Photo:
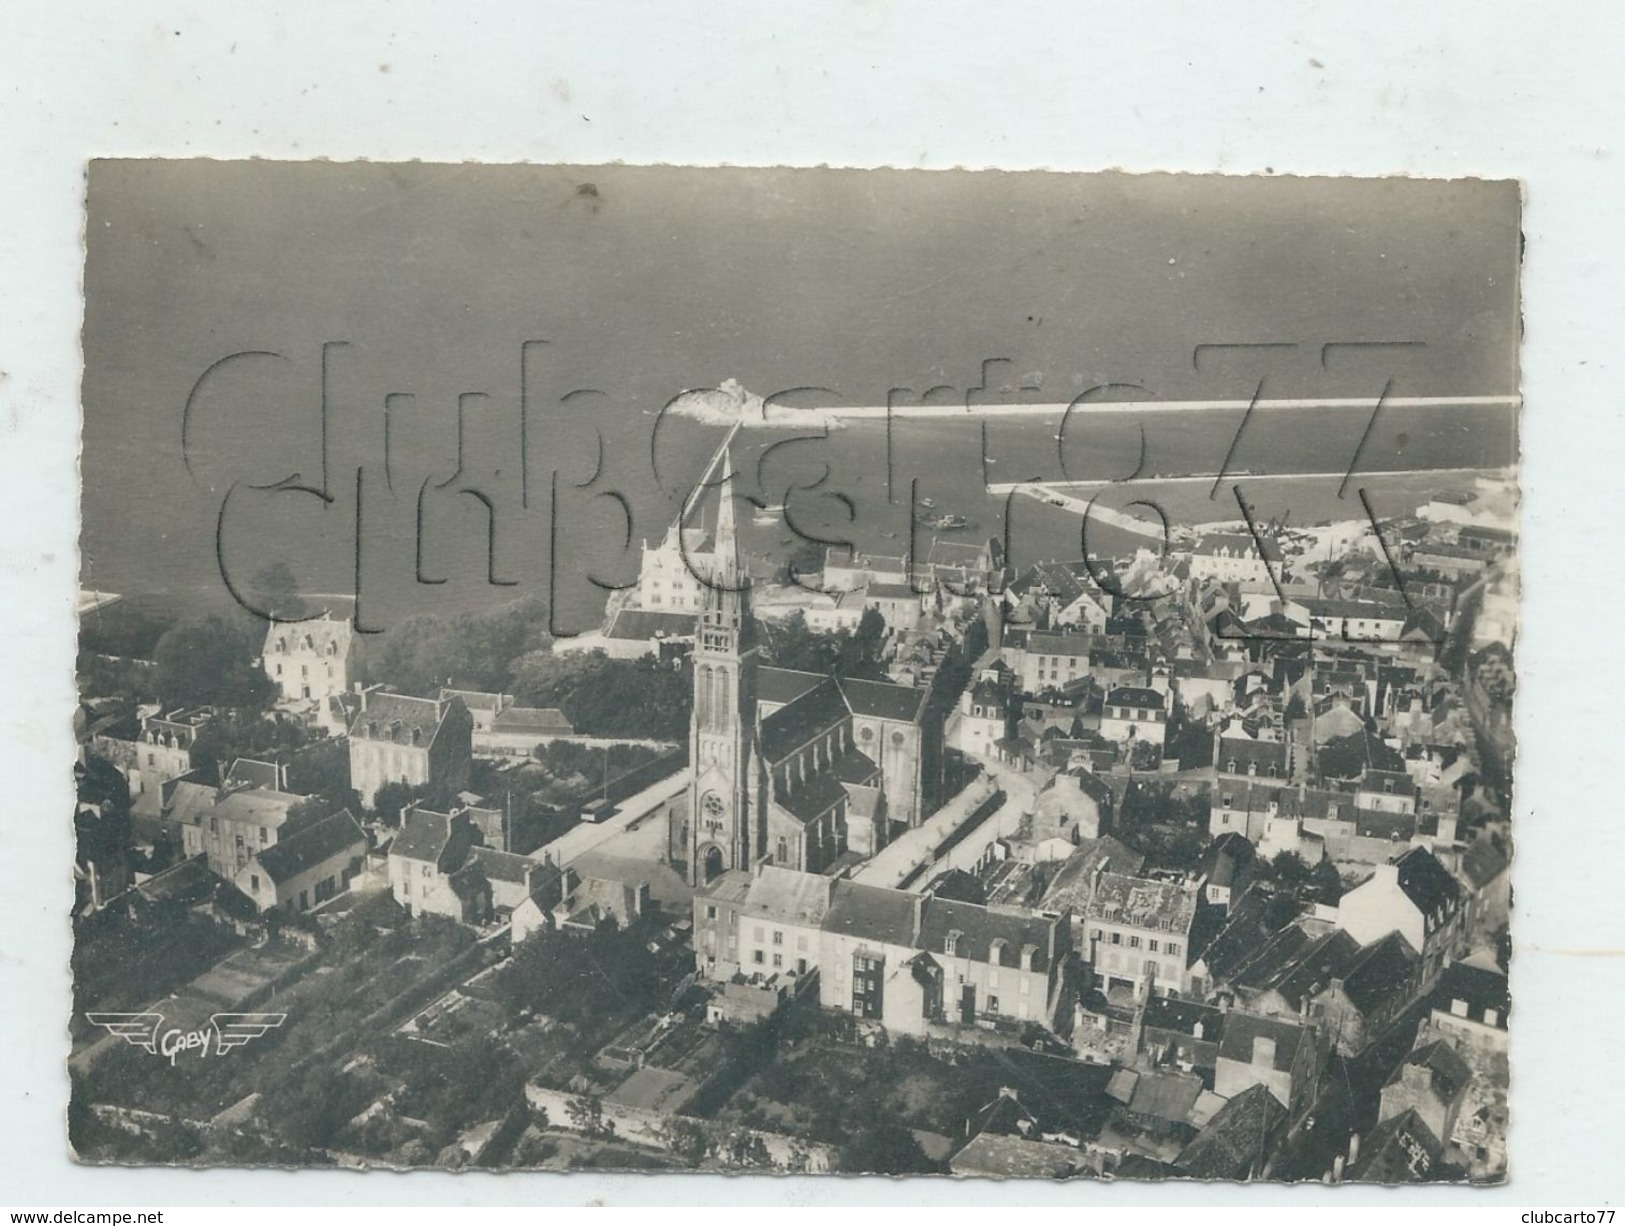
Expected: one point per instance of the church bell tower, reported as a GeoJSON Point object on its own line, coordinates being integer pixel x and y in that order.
{"type": "Point", "coordinates": [722, 730]}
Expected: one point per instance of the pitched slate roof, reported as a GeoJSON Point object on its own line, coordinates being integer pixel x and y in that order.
{"type": "Point", "coordinates": [1001, 1156]}
{"type": "Point", "coordinates": [1399, 1150]}
{"type": "Point", "coordinates": [254, 773]}
{"type": "Point", "coordinates": [855, 767]}
{"type": "Point", "coordinates": [475, 700]}
{"type": "Point", "coordinates": [1166, 1096]}
{"type": "Point", "coordinates": [501, 865]}
{"type": "Point", "coordinates": [1425, 881]}
{"type": "Point", "coordinates": [1183, 1016]}
{"type": "Point", "coordinates": [643, 624]}
{"type": "Point", "coordinates": [883, 699]}
{"type": "Point", "coordinates": [810, 799]}
{"type": "Point", "coordinates": [395, 717]}
{"type": "Point", "coordinates": [332, 836]}
{"type": "Point", "coordinates": [1238, 544]}
{"type": "Point", "coordinates": [1240, 1029]}
{"type": "Point", "coordinates": [1316, 965]}
{"type": "Point", "coordinates": [871, 912]}
{"type": "Point", "coordinates": [1237, 753]}
{"type": "Point", "coordinates": [1225, 857]}
{"type": "Point", "coordinates": [1142, 902]}
{"type": "Point", "coordinates": [1383, 971]}
{"type": "Point", "coordinates": [531, 719]}
{"type": "Point", "coordinates": [1448, 1073]}
{"type": "Point", "coordinates": [1237, 1140]}
{"type": "Point", "coordinates": [979, 930]}
{"type": "Point", "coordinates": [789, 728]}
{"type": "Point", "coordinates": [423, 835]}
{"type": "Point", "coordinates": [782, 686]}
{"type": "Point", "coordinates": [1075, 882]}
{"type": "Point", "coordinates": [1251, 924]}
{"type": "Point", "coordinates": [259, 806]}
{"type": "Point", "coordinates": [666, 887]}
{"type": "Point", "coordinates": [1270, 961]}
{"type": "Point", "coordinates": [1477, 988]}
{"type": "Point", "coordinates": [1135, 696]}
{"type": "Point", "coordinates": [326, 636]}
{"type": "Point", "coordinates": [784, 894]}
{"type": "Point", "coordinates": [1483, 863]}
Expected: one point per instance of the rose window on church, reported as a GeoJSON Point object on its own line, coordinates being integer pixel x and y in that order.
{"type": "Point", "coordinates": [712, 810]}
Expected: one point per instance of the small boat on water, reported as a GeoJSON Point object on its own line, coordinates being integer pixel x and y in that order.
{"type": "Point", "coordinates": [766, 517]}
{"type": "Point", "coordinates": [946, 522]}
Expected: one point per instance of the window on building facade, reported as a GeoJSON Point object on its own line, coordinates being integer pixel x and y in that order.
{"type": "Point", "coordinates": [710, 913]}
{"type": "Point", "coordinates": [778, 959]}
{"type": "Point", "coordinates": [757, 957]}
{"type": "Point", "coordinates": [1117, 938]}
{"type": "Point", "coordinates": [1173, 947]}
{"type": "Point", "coordinates": [992, 1004]}
{"type": "Point", "coordinates": [778, 937]}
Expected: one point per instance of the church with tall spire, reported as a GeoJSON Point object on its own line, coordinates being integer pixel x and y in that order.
{"type": "Point", "coordinates": [723, 760]}
{"type": "Point", "coordinates": [784, 766]}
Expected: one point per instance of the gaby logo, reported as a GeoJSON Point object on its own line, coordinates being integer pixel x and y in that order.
{"type": "Point", "coordinates": [145, 1030]}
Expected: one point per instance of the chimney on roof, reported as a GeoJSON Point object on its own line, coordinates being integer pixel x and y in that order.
{"type": "Point", "coordinates": [1263, 1051]}
{"type": "Point", "coordinates": [919, 917]}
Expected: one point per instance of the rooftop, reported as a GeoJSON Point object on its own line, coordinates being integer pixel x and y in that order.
{"type": "Point", "coordinates": [1142, 902]}
{"type": "Point", "coordinates": [330, 837]}
{"type": "Point", "coordinates": [873, 913]}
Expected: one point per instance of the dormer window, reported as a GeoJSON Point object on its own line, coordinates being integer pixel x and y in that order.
{"type": "Point", "coordinates": [950, 946]}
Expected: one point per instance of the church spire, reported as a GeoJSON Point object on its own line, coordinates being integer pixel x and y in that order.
{"type": "Point", "coordinates": [727, 541]}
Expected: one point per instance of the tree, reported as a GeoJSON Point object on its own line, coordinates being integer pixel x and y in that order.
{"type": "Point", "coordinates": [1289, 869]}
{"type": "Point", "coordinates": [473, 650]}
{"type": "Point", "coordinates": [274, 591]}
{"type": "Point", "coordinates": [1326, 882]}
{"type": "Point", "coordinates": [885, 1147]}
{"type": "Point", "coordinates": [602, 696]}
{"type": "Point", "coordinates": [102, 815]}
{"type": "Point", "coordinates": [211, 662]}
{"type": "Point", "coordinates": [587, 1115]}
{"type": "Point", "coordinates": [845, 653]}
{"type": "Point", "coordinates": [322, 769]}
{"type": "Point", "coordinates": [393, 798]}
{"type": "Point", "coordinates": [234, 734]}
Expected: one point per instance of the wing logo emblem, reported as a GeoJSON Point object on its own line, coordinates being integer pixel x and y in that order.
{"type": "Point", "coordinates": [225, 1032]}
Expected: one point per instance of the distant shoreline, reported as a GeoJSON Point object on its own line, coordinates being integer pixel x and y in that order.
{"type": "Point", "coordinates": [1002, 489]}
{"type": "Point", "coordinates": [776, 415]}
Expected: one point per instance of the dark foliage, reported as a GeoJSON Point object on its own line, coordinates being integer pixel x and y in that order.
{"type": "Point", "coordinates": [212, 662]}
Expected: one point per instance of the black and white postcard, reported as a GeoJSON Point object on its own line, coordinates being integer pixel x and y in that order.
{"type": "Point", "coordinates": [969, 673]}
